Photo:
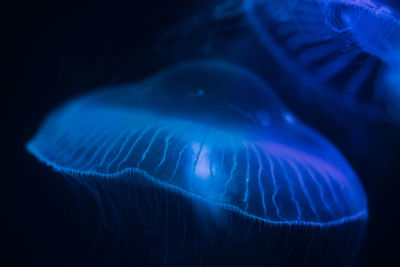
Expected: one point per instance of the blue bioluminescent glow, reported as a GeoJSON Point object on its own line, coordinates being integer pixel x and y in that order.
{"type": "Point", "coordinates": [392, 79]}
{"type": "Point", "coordinates": [342, 47]}
{"type": "Point", "coordinates": [210, 131]}
{"type": "Point", "coordinates": [373, 26]}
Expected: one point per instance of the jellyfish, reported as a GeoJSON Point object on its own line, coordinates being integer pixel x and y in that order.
{"type": "Point", "coordinates": [210, 167]}
{"type": "Point", "coordinates": [374, 27]}
{"type": "Point", "coordinates": [340, 48]}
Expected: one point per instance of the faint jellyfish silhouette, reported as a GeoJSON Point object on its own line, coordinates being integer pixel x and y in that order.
{"type": "Point", "coordinates": [339, 47]}
{"type": "Point", "coordinates": [212, 166]}
{"type": "Point", "coordinates": [373, 26]}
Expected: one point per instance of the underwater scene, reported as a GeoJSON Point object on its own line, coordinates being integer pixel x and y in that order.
{"type": "Point", "coordinates": [202, 133]}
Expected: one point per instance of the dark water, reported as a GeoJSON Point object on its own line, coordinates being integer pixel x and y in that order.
{"type": "Point", "coordinates": [57, 50]}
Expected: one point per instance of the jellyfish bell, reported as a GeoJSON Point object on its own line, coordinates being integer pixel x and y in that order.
{"type": "Point", "coordinates": [338, 48]}
{"type": "Point", "coordinates": [374, 26]}
{"type": "Point", "coordinates": [208, 142]}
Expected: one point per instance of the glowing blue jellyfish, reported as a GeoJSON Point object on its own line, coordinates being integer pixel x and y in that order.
{"type": "Point", "coordinates": [212, 133]}
{"type": "Point", "coordinates": [373, 26]}
{"type": "Point", "coordinates": [341, 46]}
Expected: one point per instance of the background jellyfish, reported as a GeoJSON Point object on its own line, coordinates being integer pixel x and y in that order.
{"type": "Point", "coordinates": [363, 115]}
{"type": "Point", "coordinates": [338, 47]}
{"type": "Point", "coordinates": [201, 163]}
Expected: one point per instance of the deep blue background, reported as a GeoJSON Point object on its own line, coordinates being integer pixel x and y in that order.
{"type": "Point", "coordinates": [56, 50]}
